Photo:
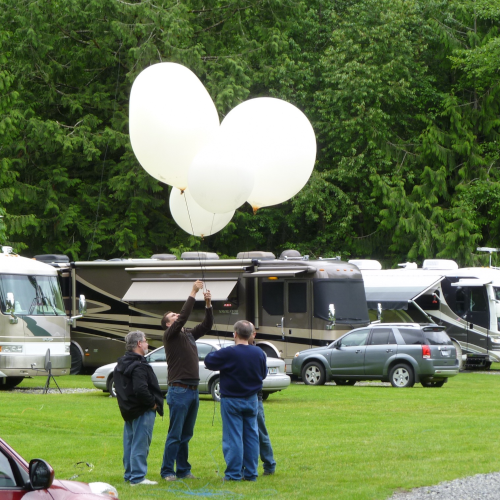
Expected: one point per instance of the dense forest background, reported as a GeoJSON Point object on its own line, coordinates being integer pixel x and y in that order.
{"type": "Point", "coordinates": [404, 96]}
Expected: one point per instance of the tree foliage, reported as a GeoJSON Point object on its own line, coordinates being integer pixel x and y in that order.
{"type": "Point", "coordinates": [403, 96]}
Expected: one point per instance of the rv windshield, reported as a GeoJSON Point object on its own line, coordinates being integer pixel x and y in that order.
{"type": "Point", "coordinates": [33, 295]}
{"type": "Point", "coordinates": [348, 297]}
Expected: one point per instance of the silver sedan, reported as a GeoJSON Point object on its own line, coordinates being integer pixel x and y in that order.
{"type": "Point", "coordinates": [276, 380]}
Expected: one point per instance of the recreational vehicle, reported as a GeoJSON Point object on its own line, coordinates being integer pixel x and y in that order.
{"type": "Point", "coordinates": [34, 328]}
{"type": "Point", "coordinates": [464, 300]}
{"type": "Point", "coordinates": [295, 303]}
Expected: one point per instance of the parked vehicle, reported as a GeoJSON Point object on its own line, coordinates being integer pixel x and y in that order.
{"type": "Point", "coordinates": [18, 479]}
{"type": "Point", "coordinates": [465, 301]}
{"type": "Point", "coordinates": [276, 380]}
{"type": "Point", "coordinates": [288, 299]}
{"type": "Point", "coordinates": [400, 353]}
{"type": "Point", "coordinates": [34, 328]}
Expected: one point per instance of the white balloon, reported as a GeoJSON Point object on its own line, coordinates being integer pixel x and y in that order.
{"type": "Point", "coordinates": [194, 219]}
{"type": "Point", "coordinates": [220, 178]}
{"type": "Point", "coordinates": [279, 141]}
{"type": "Point", "coordinates": [172, 117]}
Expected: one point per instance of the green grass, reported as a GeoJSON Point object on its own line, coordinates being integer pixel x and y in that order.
{"type": "Point", "coordinates": [330, 442]}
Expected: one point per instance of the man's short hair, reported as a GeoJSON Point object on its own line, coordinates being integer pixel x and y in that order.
{"type": "Point", "coordinates": [244, 329]}
{"type": "Point", "coordinates": [164, 320]}
{"type": "Point", "coordinates": [132, 338]}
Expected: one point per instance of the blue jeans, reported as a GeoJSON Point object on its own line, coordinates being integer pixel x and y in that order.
{"type": "Point", "coordinates": [266, 450]}
{"type": "Point", "coordinates": [137, 436]}
{"type": "Point", "coordinates": [183, 409]}
{"type": "Point", "coordinates": [240, 437]}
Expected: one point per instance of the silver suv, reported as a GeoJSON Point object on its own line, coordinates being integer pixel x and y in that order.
{"type": "Point", "coordinates": [399, 353]}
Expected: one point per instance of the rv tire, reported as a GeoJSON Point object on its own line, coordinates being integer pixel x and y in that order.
{"type": "Point", "coordinates": [344, 381]}
{"type": "Point", "coordinates": [459, 354]}
{"type": "Point", "coordinates": [313, 373]}
{"type": "Point", "coordinates": [435, 383]}
{"type": "Point", "coordinates": [215, 389]}
{"type": "Point", "coordinates": [265, 395]}
{"type": "Point", "coordinates": [8, 383]}
{"type": "Point", "coordinates": [76, 359]}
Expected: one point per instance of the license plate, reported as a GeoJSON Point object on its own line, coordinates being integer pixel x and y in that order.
{"type": "Point", "coordinates": [445, 353]}
{"type": "Point", "coordinates": [272, 371]}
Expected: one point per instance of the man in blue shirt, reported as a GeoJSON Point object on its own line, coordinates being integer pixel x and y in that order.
{"type": "Point", "coordinates": [242, 369]}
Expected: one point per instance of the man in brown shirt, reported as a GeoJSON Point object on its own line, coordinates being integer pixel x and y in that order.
{"type": "Point", "coordinates": [183, 381]}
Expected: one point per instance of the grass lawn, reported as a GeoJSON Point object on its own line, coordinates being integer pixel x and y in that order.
{"type": "Point", "coordinates": [330, 442]}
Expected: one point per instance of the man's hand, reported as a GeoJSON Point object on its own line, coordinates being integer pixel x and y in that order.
{"type": "Point", "coordinates": [197, 286]}
{"type": "Point", "coordinates": [208, 298]}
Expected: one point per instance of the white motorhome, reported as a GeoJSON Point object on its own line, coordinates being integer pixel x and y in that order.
{"type": "Point", "coordinates": [465, 300]}
{"type": "Point", "coordinates": [33, 323]}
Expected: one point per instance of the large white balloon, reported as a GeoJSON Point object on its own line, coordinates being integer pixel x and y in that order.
{"type": "Point", "coordinates": [279, 141]}
{"type": "Point", "coordinates": [194, 219]}
{"type": "Point", "coordinates": [220, 178]}
{"type": "Point", "coordinates": [172, 117]}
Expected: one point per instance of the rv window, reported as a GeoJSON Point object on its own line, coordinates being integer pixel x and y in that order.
{"type": "Point", "coordinates": [478, 300]}
{"type": "Point", "coordinates": [348, 297]}
{"type": "Point", "coordinates": [381, 336]}
{"type": "Point", "coordinates": [411, 337]}
{"type": "Point", "coordinates": [273, 297]}
{"type": "Point", "coordinates": [297, 297]}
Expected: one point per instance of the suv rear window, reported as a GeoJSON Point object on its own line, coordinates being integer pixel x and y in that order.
{"type": "Point", "coordinates": [437, 338]}
{"type": "Point", "coordinates": [411, 337]}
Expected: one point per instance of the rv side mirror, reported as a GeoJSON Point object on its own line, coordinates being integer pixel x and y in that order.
{"type": "Point", "coordinates": [41, 474]}
{"type": "Point", "coordinates": [9, 303]}
{"type": "Point", "coordinates": [82, 305]}
{"type": "Point", "coordinates": [10, 307]}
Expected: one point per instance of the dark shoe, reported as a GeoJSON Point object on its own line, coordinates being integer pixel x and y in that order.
{"type": "Point", "coordinates": [170, 478]}
{"type": "Point", "coordinates": [189, 476]}
{"type": "Point", "coordinates": [268, 473]}
{"type": "Point", "coordinates": [224, 479]}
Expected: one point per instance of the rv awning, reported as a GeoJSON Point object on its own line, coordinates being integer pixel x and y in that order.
{"type": "Point", "coordinates": [171, 291]}
{"type": "Point", "coordinates": [394, 292]}
{"type": "Point", "coordinates": [281, 273]}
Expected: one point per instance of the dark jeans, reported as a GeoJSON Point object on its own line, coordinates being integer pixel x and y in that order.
{"type": "Point", "coordinates": [240, 437]}
{"type": "Point", "coordinates": [183, 409]}
{"type": "Point", "coordinates": [137, 436]}
{"type": "Point", "coordinates": [266, 450]}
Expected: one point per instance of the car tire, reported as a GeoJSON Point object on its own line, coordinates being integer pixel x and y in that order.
{"type": "Point", "coordinates": [344, 381]}
{"type": "Point", "coordinates": [111, 386]}
{"type": "Point", "coordinates": [401, 375]}
{"type": "Point", "coordinates": [435, 383]}
{"type": "Point", "coordinates": [8, 383]}
{"type": "Point", "coordinates": [313, 373]}
{"type": "Point", "coordinates": [265, 395]}
{"type": "Point", "coordinates": [76, 359]}
{"type": "Point", "coordinates": [215, 389]}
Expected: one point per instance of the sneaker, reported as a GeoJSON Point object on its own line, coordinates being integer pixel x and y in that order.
{"type": "Point", "coordinates": [268, 473]}
{"type": "Point", "coordinates": [144, 481]}
{"type": "Point", "coordinates": [189, 476]}
{"type": "Point", "coordinates": [170, 478]}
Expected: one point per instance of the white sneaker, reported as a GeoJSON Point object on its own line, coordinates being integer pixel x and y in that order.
{"type": "Point", "coordinates": [144, 481]}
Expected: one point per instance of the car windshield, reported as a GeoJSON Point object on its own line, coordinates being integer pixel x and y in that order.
{"type": "Point", "coordinates": [437, 338]}
{"type": "Point", "coordinates": [33, 295]}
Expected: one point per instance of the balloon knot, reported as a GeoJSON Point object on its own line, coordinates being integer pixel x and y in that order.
{"type": "Point", "coordinates": [182, 191]}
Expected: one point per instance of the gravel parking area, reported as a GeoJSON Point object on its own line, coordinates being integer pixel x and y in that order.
{"type": "Point", "coordinates": [52, 390]}
{"type": "Point", "coordinates": [478, 487]}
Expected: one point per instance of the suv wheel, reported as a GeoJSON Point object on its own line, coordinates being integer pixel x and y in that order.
{"type": "Point", "coordinates": [436, 383]}
{"type": "Point", "coordinates": [313, 373]}
{"type": "Point", "coordinates": [401, 375]}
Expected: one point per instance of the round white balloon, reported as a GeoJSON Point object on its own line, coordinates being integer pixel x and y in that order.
{"type": "Point", "coordinates": [172, 117]}
{"type": "Point", "coordinates": [220, 178]}
{"type": "Point", "coordinates": [194, 219]}
{"type": "Point", "coordinates": [278, 140]}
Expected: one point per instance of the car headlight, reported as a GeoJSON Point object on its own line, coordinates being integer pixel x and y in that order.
{"type": "Point", "coordinates": [103, 489]}
{"type": "Point", "coordinates": [495, 340]}
{"type": "Point", "coordinates": [297, 354]}
{"type": "Point", "coordinates": [11, 348]}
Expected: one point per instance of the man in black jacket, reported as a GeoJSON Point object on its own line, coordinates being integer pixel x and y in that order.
{"type": "Point", "coordinates": [139, 398]}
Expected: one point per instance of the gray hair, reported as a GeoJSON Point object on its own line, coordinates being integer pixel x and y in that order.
{"type": "Point", "coordinates": [244, 329]}
{"type": "Point", "coordinates": [132, 338]}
